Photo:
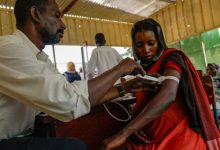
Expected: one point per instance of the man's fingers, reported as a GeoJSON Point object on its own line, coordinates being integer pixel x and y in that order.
{"type": "Point", "coordinates": [141, 70]}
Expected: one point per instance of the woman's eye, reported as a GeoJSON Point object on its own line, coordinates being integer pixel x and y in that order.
{"type": "Point", "coordinates": [151, 43]}
{"type": "Point", "coordinates": [139, 45]}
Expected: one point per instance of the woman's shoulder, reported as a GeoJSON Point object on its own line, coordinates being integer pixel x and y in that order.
{"type": "Point", "coordinates": [172, 59]}
{"type": "Point", "coordinates": [173, 54]}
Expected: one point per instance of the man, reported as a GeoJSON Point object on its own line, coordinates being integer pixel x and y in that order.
{"type": "Point", "coordinates": [103, 57]}
{"type": "Point", "coordinates": [29, 82]}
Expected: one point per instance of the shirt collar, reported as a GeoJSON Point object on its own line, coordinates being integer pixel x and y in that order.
{"type": "Point", "coordinates": [42, 56]}
{"type": "Point", "coordinates": [39, 54]}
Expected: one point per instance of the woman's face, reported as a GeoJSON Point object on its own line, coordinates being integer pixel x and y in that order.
{"type": "Point", "coordinates": [211, 70]}
{"type": "Point", "coordinates": [146, 45]}
{"type": "Point", "coordinates": [71, 66]}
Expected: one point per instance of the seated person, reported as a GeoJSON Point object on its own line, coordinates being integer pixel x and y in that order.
{"type": "Point", "coordinates": [177, 115]}
{"type": "Point", "coordinates": [71, 74]}
{"type": "Point", "coordinates": [213, 70]}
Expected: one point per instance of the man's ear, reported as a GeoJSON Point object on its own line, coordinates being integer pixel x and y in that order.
{"type": "Point", "coordinates": [35, 14]}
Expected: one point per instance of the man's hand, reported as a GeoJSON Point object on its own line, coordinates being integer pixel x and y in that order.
{"type": "Point", "coordinates": [101, 88]}
{"type": "Point", "coordinates": [129, 66]}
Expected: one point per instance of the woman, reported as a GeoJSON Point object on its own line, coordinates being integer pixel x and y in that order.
{"type": "Point", "coordinates": [175, 117]}
{"type": "Point", "coordinates": [71, 74]}
{"type": "Point", "coordinates": [213, 69]}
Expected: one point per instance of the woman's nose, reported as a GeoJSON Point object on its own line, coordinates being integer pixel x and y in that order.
{"type": "Point", "coordinates": [147, 48]}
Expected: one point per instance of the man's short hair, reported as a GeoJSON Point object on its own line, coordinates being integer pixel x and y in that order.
{"type": "Point", "coordinates": [100, 39]}
{"type": "Point", "coordinates": [22, 9]}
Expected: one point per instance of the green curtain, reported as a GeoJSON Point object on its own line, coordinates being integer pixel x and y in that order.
{"type": "Point", "coordinates": [211, 41]}
{"type": "Point", "coordinates": [193, 50]}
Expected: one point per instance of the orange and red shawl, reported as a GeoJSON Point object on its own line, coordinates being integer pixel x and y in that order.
{"type": "Point", "coordinates": [200, 117]}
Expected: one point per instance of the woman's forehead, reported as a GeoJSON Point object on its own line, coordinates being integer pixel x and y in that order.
{"type": "Point", "coordinates": [145, 34]}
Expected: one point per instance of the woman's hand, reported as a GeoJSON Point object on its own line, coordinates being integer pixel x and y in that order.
{"type": "Point", "coordinates": [114, 142]}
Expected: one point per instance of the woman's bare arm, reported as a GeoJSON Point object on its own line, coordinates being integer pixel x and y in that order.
{"type": "Point", "coordinates": [157, 105]}
{"type": "Point", "coordinates": [162, 100]}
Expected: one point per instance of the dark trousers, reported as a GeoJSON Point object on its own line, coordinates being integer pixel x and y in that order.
{"type": "Point", "coordinates": [33, 143]}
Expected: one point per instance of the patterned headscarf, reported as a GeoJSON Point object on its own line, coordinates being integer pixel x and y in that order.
{"type": "Point", "coordinates": [215, 66]}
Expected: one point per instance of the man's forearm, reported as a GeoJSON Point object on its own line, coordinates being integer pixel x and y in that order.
{"type": "Point", "coordinates": [99, 87]}
{"type": "Point", "coordinates": [111, 94]}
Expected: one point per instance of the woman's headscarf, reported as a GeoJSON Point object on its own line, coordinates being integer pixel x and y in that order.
{"type": "Point", "coordinates": [215, 66]}
{"type": "Point", "coordinates": [149, 25]}
{"type": "Point", "coordinates": [71, 66]}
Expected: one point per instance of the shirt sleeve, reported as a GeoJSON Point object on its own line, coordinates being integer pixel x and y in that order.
{"type": "Point", "coordinates": [174, 65]}
{"type": "Point", "coordinates": [32, 82]}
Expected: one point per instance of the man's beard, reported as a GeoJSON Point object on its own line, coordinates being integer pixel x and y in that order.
{"type": "Point", "coordinates": [48, 38]}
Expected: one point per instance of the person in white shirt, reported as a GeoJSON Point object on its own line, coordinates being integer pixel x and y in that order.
{"type": "Point", "coordinates": [103, 57]}
{"type": "Point", "coordinates": [30, 83]}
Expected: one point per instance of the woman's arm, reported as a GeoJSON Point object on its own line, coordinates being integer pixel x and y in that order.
{"type": "Point", "coordinates": [134, 85]}
{"type": "Point", "coordinates": [157, 105]}
{"type": "Point", "coordinates": [154, 109]}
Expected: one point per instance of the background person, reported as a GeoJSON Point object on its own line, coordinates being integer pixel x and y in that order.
{"type": "Point", "coordinates": [213, 70]}
{"type": "Point", "coordinates": [103, 57]}
{"type": "Point", "coordinates": [71, 74]}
